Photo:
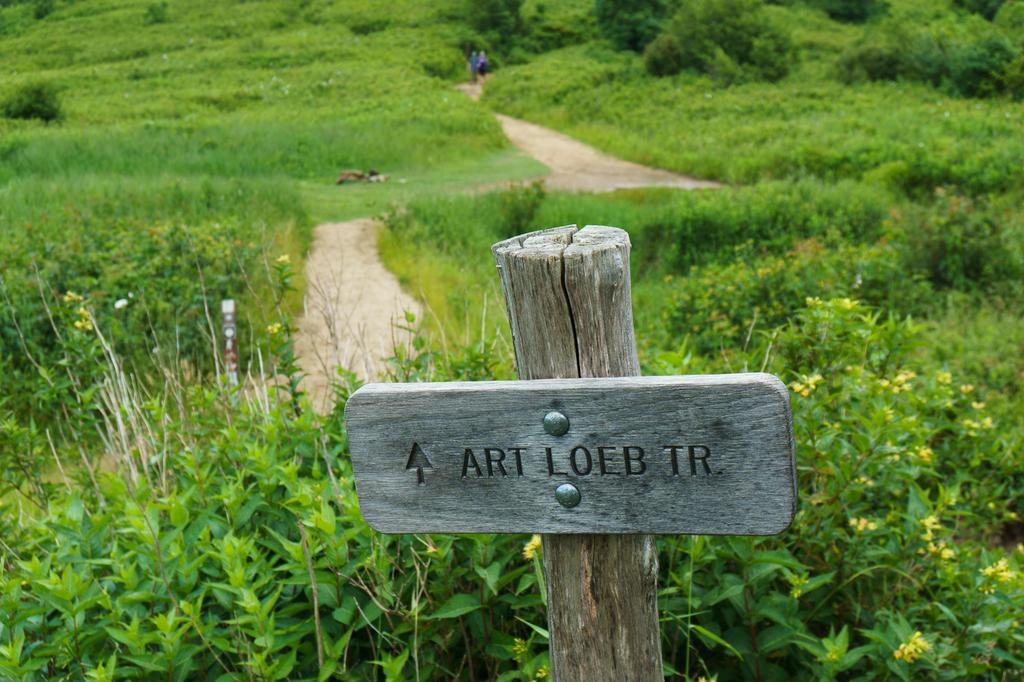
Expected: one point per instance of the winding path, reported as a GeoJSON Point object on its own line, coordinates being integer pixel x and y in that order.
{"type": "Point", "coordinates": [353, 302]}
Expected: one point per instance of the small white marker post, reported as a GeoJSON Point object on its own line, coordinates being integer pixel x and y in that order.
{"type": "Point", "coordinates": [593, 462]}
{"type": "Point", "coordinates": [227, 321]}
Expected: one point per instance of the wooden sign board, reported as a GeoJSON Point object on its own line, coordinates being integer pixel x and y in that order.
{"type": "Point", "coordinates": [692, 454]}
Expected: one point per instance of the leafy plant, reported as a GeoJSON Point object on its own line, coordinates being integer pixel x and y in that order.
{"type": "Point", "coordinates": [986, 8]}
{"type": "Point", "coordinates": [631, 24]}
{"type": "Point", "coordinates": [972, 65]}
{"type": "Point", "coordinates": [732, 40]}
{"type": "Point", "coordinates": [156, 13]}
{"type": "Point", "coordinates": [33, 100]}
{"type": "Point", "coordinates": [43, 8]}
{"type": "Point", "coordinates": [853, 10]}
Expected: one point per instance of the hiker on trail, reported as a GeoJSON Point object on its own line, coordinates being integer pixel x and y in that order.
{"type": "Point", "coordinates": [481, 66]}
{"type": "Point", "coordinates": [474, 66]}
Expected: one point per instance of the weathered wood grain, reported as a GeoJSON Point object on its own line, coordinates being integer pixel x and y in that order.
{"type": "Point", "coordinates": [737, 480]}
{"type": "Point", "coordinates": [599, 631]}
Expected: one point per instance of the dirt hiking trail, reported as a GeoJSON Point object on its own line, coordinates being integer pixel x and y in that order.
{"type": "Point", "coordinates": [352, 301]}
{"type": "Point", "coordinates": [576, 167]}
{"type": "Point", "coordinates": [351, 308]}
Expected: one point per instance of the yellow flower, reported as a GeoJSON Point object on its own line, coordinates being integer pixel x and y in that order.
{"type": "Point", "coordinates": [912, 649]}
{"type": "Point", "coordinates": [940, 550]}
{"type": "Point", "coordinates": [283, 259]}
{"type": "Point", "coordinates": [531, 547]}
{"type": "Point", "coordinates": [274, 329]}
{"type": "Point", "coordinates": [542, 673]}
{"type": "Point", "coordinates": [808, 384]}
{"type": "Point", "coordinates": [978, 405]}
{"type": "Point", "coordinates": [944, 377]}
{"type": "Point", "coordinates": [924, 453]}
{"type": "Point", "coordinates": [519, 649]}
{"type": "Point", "coordinates": [812, 301]}
{"type": "Point", "coordinates": [847, 303]}
{"type": "Point", "coordinates": [972, 425]}
{"type": "Point", "coordinates": [798, 582]}
{"type": "Point", "coordinates": [931, 524]}
{"type": "Point", "coordinates": [865, 481]}
{"type": "Point", "coordinates": [1000, 571]}
{"type": "Point", "coordinates": [71, 297]}
{"type": "Point", "coordinates": [967, 389]}
{"type": "Point", "coordinates": [860, 524]}
{"type": "Point", "coordinates": [900, 383]}
{"type": "Point", "coordinates": [84, 322]}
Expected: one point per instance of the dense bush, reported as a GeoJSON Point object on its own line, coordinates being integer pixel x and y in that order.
{"type": "Point", "coordinates": [968, 63]}
{"type": "Point", "coordinates": [500, 21]}
{"type": "Point", "coordinates": [550, 28]}
{"type": "Point", "coordinates": [156, 13]}
{"type": "Point", "coordinates": [39, 101]}
{"type": "Point", "coordinates": [986, 8]}
{"type": "Point", "coordinates": [43, 8]}
{"type": "Point", "coordinates": [732, 40]}
{"type": "Point", "coordinates": [716, 306]}
{"type": "Point", "coordinates": [851, 10]}
{"type": "Point", "coordinates": [664, 56]}
{"type": "Point", "coordinates": [981, 68]}
{"type": "Point", "coordinates": [1011, 20]}
{"type": "Point", "coordinates": [964, 244]}
{"type": "Point", "coordinates": [631, 24]}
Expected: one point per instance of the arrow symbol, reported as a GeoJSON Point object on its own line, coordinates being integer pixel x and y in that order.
{"type": "Point", "coordinates": [418, 461]}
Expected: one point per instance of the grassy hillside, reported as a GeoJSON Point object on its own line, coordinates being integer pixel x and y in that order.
{"type": "Point", "coordinates": [226, 124]}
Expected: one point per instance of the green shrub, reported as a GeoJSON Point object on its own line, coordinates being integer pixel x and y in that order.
{"type": "Point", "coordinates": [500, 21]}
{"type": "Point", "coordinates": [1013, 77]}
{"type": "Point", "coordinates": [716, 305]}
{"type": "Point", "coordinates": [664, 56]}
{"type": "Point", "coordinates": [871, 60]}
{"type": "Point", "coordinates": [33, 101]}
{"type": "Point", "coordinates": [981, 68]}
{"type": "Point", "coordinates": [969, 63]}
{"type": "Point", "coordinates": [732, 40]}
{"type": "Point", "coordinates": [156, 13]}
{"type": "Point", "coordinates": [853, 10]}
{"type": "Point", "coordinates": [43, 8]}
{"type": "Point", "coordinates": [1011, 20]}
{"type": "Point", "coordinates": [963, 243]}
{"type": "Point", "coordinates": [630, 24]}
{"type": "Point", "coordinates": [551, 28]}
{"type": "Point", "coordinates": [986, 8]}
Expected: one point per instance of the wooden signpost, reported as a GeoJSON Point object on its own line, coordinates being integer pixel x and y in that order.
{"type": "Point", "coordinates": [594, 463]}
{"type": "Point", "coordinates": [227, 316]}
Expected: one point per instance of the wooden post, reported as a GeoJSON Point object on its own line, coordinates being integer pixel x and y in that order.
{"type": "Point", "coordinates": [568, 298]}
{"type": "Point", "coordinates": [227, 314]}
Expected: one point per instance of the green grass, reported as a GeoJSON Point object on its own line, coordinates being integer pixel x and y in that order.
{"type": "Point", "coordinates": [224, 122]}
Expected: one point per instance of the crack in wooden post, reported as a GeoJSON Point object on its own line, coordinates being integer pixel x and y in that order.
{"type": "Point", "coordinates": [568, 298]}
